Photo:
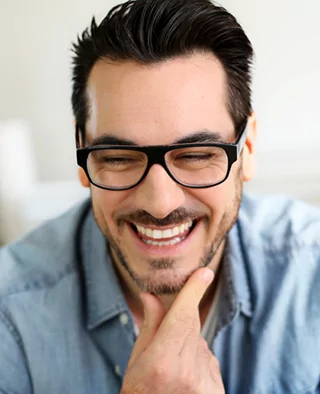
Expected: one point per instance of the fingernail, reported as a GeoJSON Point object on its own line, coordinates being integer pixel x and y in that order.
{"type": "Point", "coordinates": [208, 275]}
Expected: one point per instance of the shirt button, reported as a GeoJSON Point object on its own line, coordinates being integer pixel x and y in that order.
{"type": "Point", "coordinates": [117, 370]}
{"type": "Point", "coordinates": [124, 319]}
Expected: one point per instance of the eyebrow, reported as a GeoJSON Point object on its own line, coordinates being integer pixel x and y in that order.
{"type": "Point", "coordinates": [106, 139]}
{"type": "Point", "coordinates": [201, 136]}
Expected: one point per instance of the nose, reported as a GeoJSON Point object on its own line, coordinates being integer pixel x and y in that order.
{"type": "Point", "coordinates": [159, 194]}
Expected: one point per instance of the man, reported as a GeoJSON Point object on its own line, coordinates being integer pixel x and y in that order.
{"type": "Point", "coordinates": [170, 279]}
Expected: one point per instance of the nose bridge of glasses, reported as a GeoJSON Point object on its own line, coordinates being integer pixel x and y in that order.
{"type": "Point", "coordinates": [156, 155]}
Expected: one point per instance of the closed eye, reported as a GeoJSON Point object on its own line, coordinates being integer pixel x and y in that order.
{"type": "Point", "coordinates": [118, 160]}
{"type": "Point", "coordinates": [195, 157]}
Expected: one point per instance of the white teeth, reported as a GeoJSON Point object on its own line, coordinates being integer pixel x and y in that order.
{"type": "Point", "coordinates": [165, 234]}
{"type": "Point", "coordinates": [162, 243]}
{"type": "Point", "coordinates": [175, 231]}
{"type": "Point", "coordinates": [156, 234]}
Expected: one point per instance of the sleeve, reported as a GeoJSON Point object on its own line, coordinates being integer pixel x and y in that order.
{"type": "Point", "coordinates": [14, 376]}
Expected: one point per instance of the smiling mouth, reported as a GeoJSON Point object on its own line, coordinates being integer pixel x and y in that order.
{"type": "Point", "coordinates": [167, 237]}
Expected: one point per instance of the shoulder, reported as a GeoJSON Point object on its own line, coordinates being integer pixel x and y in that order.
{"type": "Point", "coordinates": [280, 243]}
{"type": "Point", "coordinates": [278, 221]}
{"type": "Point", "coordinates": [42, 257]}
{"type": "Point", "coordinates": [280, 240]}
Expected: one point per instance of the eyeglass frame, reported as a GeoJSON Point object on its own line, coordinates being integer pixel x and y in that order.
{"type": "Point", "coordinates": [156, 155]}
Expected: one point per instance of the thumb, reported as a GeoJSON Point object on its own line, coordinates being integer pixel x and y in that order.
{"type": "Point", "coordinates": [154, 313]}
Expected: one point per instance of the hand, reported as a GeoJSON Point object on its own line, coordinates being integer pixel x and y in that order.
{"type": "Point", "coordinates": [170, 356]}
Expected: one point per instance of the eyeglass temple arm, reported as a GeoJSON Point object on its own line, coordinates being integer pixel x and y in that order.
{"type": "Point", "coordinates": [242, 140]}
{"type": "Point", "coordinates": [79, 136]}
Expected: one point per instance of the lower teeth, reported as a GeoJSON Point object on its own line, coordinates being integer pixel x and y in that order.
{"type": "Point", "coordinates": [166, 243]}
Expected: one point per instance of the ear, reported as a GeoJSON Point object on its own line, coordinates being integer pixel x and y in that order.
{"type": "Point", "coordinates": [83, 178]}
{"type": "Point", "coordinates": [249, 150]}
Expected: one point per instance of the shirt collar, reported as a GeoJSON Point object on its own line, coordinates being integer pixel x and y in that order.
{"type": "Point", "coordinates": [103, 293]}
{"type": "Point", "coordinates": [235, 271]}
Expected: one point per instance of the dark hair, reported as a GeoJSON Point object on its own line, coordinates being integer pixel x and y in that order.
{"type": "Point", "coordinates": [151, 31]}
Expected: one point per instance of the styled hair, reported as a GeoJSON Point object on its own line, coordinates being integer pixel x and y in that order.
{"type": "Point", "coordinates": [152, 31]}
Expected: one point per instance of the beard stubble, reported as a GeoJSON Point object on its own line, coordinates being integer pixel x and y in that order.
{"type": "Point", "coordinates": [160, 287]}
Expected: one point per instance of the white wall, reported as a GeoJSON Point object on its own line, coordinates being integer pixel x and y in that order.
{"type": "Point", "coordinates": [35, 39]}
{"type": "Point", "coordinates": [286, 37]}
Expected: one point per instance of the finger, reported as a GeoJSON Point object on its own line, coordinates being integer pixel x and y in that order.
{"type": "Point", "coordinates": [153, 316]}
{"type": "Point", "coordinates": [203, 350]}
{"type": "Point", "coordinates": [214, 368]}
{"type": "Point", "coordinates": [203, 356]}
{"type": "Point", "coordinates": [190, 296]}
{"type": "Point", "coordinates": [183, 316]}
{"type": "Point", "coordinates": [189, 348]}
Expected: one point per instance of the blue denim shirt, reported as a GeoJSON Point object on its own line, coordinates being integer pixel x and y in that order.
{"type": "Point", "coordinates": [65, 326]}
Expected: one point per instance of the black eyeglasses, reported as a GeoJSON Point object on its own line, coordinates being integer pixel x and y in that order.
{"type": "Point", "coordinates": [194, 165]}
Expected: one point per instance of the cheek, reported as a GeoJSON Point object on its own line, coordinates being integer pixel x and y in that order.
{"type": "Point", "coordinates": [105, 203]}
{"type": "Point", "coordinates": [217, 199]}
{"type": "Point", "coordinates": [223, 197]}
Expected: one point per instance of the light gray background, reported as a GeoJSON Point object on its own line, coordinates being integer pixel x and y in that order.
{"type": "Point", "coordinates": [35, 41]}
{"type": "Point", "coordinates": [35, 72]}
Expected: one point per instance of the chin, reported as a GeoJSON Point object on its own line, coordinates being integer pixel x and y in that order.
{"type": "Point", "coordinates": [161, 275]}
{"type": "Point", "coordinates": [164, 283]}
{"type": "Point", "coordinates": [162, 278]}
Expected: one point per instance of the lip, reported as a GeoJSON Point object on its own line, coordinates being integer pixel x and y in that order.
{"type": "Point", "coordinates": [163, 251]}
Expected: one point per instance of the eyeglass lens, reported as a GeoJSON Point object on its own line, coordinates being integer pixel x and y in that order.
{"type": "Point", "coordinates": [194, 166]}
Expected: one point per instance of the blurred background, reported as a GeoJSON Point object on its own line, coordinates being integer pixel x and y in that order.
{"type": "Point", "coordinates": [38, 174]}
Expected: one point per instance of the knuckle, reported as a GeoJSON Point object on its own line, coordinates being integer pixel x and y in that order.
{"type": "Point", "coordinates": [216, 363]}
{"type": "Point", "coordinates": [215, 372]}
{"type": "Point", "coordinates": [202, 344]}
{"type": "Point", "coordinates": [160, 372]}
{"type": "Point", "coordinates": [188, 382]}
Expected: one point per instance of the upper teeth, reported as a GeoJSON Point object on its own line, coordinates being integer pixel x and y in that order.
{"type": "Point", "coordinates": [159, 234]}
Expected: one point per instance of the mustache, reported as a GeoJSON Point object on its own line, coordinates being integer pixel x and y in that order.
{"type": "Point", "coordinates": [180, 215]}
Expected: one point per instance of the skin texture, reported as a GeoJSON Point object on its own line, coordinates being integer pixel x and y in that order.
{"type": "Point", "coordinates": [157, 105]}
{"type": "Point", "coordinates": [176, 98]}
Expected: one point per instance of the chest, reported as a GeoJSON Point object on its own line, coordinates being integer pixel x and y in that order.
{"type": "Point", "coordinates": [268, 360]}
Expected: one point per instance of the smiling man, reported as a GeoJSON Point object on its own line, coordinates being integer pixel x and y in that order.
{"type": "Point", "coordinates": [168, 279]}
{"type": "Point", "coordinates": [157, 142]}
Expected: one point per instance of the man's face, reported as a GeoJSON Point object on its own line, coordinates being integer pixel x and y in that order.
{"type": "Point", "coordinates": [157, 105]}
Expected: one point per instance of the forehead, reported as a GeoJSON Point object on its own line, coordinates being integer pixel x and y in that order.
{"type": "Point", "coordinates": [160, 103]}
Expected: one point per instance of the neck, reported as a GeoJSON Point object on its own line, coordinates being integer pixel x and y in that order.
{"type": "Point", "coordinates": [132, 291]}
